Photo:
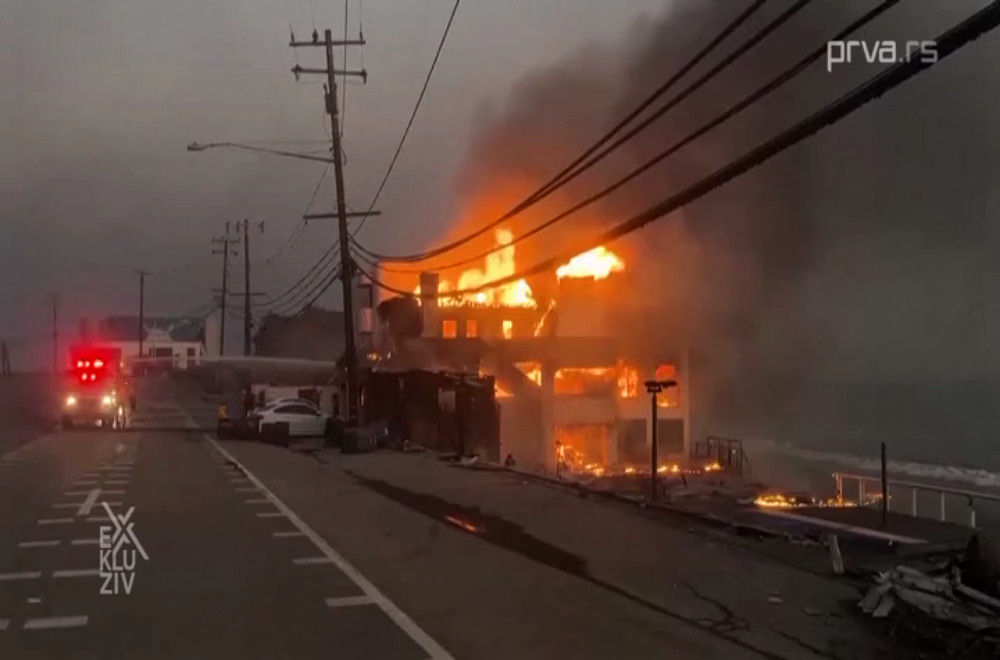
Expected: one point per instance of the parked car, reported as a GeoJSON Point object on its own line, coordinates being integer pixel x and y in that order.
{"type": "Point", "coordinates": [269, 405]}
{"type": "Point", "coordinates": [303, 419]}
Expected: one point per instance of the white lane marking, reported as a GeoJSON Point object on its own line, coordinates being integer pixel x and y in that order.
{"type": "Point", "coordinates": [67, 505]}
{"type": "Point", "coordinates": [34, 601]}
{"type": "Point", "coordinates": [248, 490]}
{"type": "Point", "coordinates": [405, 623]}
{"type": "Point", "coordinates": [84, 542]}
{"type": "Point", "coordinates": [4, 624]}
{"type": "Point", "coordinates": [308, 561]}
{"type": "Point", "coordinates": [262, 500]}
{"type": "Point", "coordinates": [116, 482]}
{"type": "Point", "coordinates": [285, 535]}
{"type": "Point", "coordinates": [85, 482]}
{"type": "Point", "coordinates": [271, 514]}
{"type": "Point", "coordinates": [351, 601]}
{"type": "Point", "coordinates": [24, 575]}
{"type": "Point", "coordinates": [56, 622]}
{"type": "Point", "coordinates": [55, 521]}
{"type": "Point", "coordinates": [88, 503]}
{"type": "Point", "coordinates": [98, 519]}
{"type": "Point", "coordinates": [76, 572]}
{"type": "Point", "coordinates": [38, 544]}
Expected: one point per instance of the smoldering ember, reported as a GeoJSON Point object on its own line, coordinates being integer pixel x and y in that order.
{"type": "Point", "coordinates": [499, 330]}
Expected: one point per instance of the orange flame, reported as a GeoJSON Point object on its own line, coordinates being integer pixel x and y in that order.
{"type": "Point", "coordinates": [597, 263]}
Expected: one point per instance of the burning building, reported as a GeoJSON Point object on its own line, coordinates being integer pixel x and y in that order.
{"type": "Point", "coordinates": [569, 382]}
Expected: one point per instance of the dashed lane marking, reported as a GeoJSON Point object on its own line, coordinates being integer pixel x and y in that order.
{"type": "Point", "coordinates": [55, 521]}
{"type": "Point", "coordinates": [24, 575]}
{"type": "Point", "coordinates": [49, 622]}
{"type": "Point", "coordinates": [352, 601]}
{"type": "Point", "coordinates": [84, 542]}
{"type": "Point", "coordinates": [248, 490]}
{"type": "Point", "coordinates": [117, 482]}
{"type": "Point", "coordinates": [262, 500]}
{"type": "Point", "coordinates": [38, 544]}
{"type": "Point", "coordinates": [308, 561]}
{"type": "Point", "coordinates": [271, 514]}
{"type": "Point", "coordinates": [76, 572]}
{"type": "Point", "coordinates": [285, 535]}
{"type": "Point", "coordinates": [88, 503]}
{"type": "Point", "coordinates": [434, 650]}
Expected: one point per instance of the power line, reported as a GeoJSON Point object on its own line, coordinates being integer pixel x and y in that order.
{"type": "Point", "coordinates": [574, 169]}
{"type": "Point", "coordinates": [300, 227]}
{"type": "Point", "coordinates": [768, 88]}
{"type": "Point", "coordinates": [874, 88]}
{"type": "Point", "coordinates": [413, 115]}
{"type": "Point", "coordinates": [343, 96]}
{"type": "Point", "coordinates": [303, 281]}
{"type": "Point", "coordinates": [318, 289]}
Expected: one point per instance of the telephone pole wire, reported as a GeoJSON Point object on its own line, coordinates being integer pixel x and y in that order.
{"type": "Point", "coordinates": [346, 265]}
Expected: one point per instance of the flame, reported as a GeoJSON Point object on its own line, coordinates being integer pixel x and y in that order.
{"type": "Point", "coordinates": [628, 381]}
{"type": "Point", "coordinates": [597, 263]}
{"type": "Point", "coordinates": [533, 370]}
{"type": "Point", "coordinates": [713, 467]}
{"type": "Point", "coordinates": [497, 265]}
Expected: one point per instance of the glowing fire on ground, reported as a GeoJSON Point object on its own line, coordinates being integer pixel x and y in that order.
{"type": "Point", "coordinates": [598, 263]}
{"type": "Point", "coordinates": [781, 501]}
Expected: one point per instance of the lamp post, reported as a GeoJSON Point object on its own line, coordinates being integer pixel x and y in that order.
{"type": "Point", "coordinates": [654, 387]}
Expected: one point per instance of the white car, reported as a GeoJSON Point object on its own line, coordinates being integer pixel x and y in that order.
{"type": "Point", "coordinates": [269, 405]}
{"type": "Point", "coordinates": [303, 419]}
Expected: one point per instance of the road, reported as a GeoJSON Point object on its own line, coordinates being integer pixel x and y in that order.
{"type": "Point", "coordinates": [256, 552]}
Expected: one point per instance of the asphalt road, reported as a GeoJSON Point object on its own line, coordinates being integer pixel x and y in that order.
{"type": "Point", "coordinates": [256, 551]}
{"type": "Point", "coordinates": [230, 571]}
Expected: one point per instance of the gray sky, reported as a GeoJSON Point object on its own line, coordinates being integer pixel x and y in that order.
{"type": "Point", "coordinates": [101, 97]}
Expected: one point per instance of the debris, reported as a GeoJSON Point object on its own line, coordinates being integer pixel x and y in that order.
{"type": "Point", "coordinates": [939, 608]}
{"type": "Point", "coordinates": [469, 460]}
{"type": "Point", "coordinates": [775, 600]}
{"type": "Point", "coordinates": [836, 558]}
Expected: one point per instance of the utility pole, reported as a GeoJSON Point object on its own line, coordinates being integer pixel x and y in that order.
{"type": "Point", "coordinates": [55, 334]}
{"type": "Point", "coordinates": [225, 252]}
{"type": "Point", "coordinates": [247, 316]}
{"type": "Point", "coordinates": [142, 309]}
{"type": "Point", "coordinates": [346, 265]}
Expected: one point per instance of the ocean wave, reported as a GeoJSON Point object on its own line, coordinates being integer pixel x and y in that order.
{"type": "Point", "coordinates": [955, 473]}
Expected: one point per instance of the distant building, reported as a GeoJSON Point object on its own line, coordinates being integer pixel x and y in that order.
{"type": "Point", "coordinates": [181, 340]}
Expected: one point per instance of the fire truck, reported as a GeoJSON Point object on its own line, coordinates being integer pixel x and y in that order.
{"type": "Point", "coordinates": [96, 391]}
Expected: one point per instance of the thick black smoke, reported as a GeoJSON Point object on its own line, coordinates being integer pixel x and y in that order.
{"type": "Point", "coordinates": [761, 277]}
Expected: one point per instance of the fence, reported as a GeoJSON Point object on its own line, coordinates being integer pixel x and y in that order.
{"type": "Point", "coordinates": [914, 488]}
{"type": "Point", "coordinates": [727, 452]}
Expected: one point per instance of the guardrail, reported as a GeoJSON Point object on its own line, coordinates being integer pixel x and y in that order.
{"type": "Point", "coordinates": [914, 487]}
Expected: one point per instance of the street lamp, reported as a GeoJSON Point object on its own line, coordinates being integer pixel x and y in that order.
{"type": "Point", "coordinates": [654, 387]}
{"type": "Point", "coordinates": [195, 146]}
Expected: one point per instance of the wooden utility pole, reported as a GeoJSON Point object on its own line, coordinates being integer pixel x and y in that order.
{"type": "Point", "coordinates": [247, 316]}
{"type": "Point", "coordinates": [142, 308]}
{"type": "Point", "coordinates": [224, 251]}
{"type": "Point", "coordinates": [346, 265]}
{"type": "Point", "coordinates": [55, 334]}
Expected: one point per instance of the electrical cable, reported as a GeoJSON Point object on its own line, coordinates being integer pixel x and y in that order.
{"type": "Point", "coordinates": [574, 169]}
{"type": "Point", "coordinates": [413, 115]}
{"type": "Point", "coordinates": [300, 228]}
{"type": "Point", "coordinates": [733, 110]}
{"type": "Point", "coordinates": [874, 88]}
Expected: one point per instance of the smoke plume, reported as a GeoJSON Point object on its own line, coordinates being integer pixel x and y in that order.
{"type": "Point", "coordinates": [734, 275]}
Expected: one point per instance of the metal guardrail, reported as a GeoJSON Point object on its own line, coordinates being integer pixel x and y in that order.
{"type": "Point", "coordinates": [915, 487]}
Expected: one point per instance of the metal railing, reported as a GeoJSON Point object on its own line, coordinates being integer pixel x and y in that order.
{"type": "Point", "coordinates": [727, 452]}
{"type": "Point", "coordinates": [943, 491]}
